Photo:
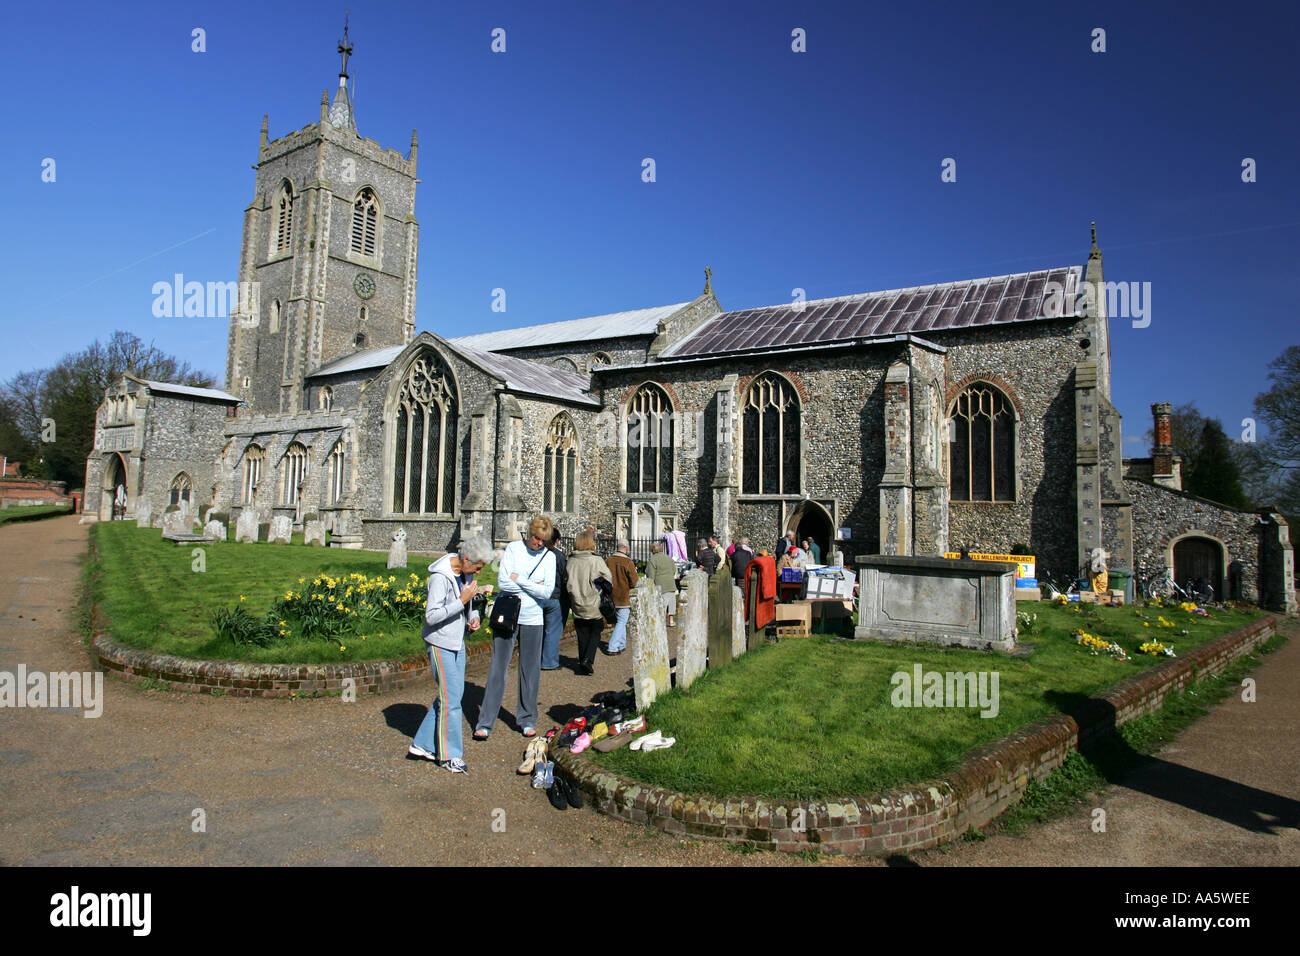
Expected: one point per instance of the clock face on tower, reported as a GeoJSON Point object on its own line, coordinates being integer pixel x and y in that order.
{"type": "Point", "coordinates": [363, 285]}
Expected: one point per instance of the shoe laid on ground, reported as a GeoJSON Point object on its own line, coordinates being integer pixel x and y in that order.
{"type": "Point", "coordinates": [544, 775]}
{"type": "Point", "coordinates": [555, 794]}
{"type": "Point", "coordinates": [416, 750]}
{"type": "Point", "coordinates": [455, 765]}
{"type": "Point", "coordinates": [600, 730]}
{"type": "Point", "coordinates": [659, 743]}
{"type": "Point", "coordinates": [640, 742]}
{"type": "Point", "coordinates": [571, 792]}
{"type": "Point", "coordinates": [578, 723]}
{"type": "Point", "coordinates": [606, 744]}
{"type": "Point", "coordinates": [581, 744]}
{"type": "Point", "coordinates": [531, 756]}
{"type": "Point", "coordinates": [633, 726]}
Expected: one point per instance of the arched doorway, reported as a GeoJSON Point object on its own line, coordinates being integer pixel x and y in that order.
{"type": "Point", "coordinates": [1201, 560]}
{"type": "Point", "coordinates": [114, 498]}
{"type": "Point", "coordinates": [811, 521]}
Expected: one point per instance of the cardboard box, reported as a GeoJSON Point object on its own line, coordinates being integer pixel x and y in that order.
{"type": "Point", "coordinates": [1117, 597]}
{"type": "Point", "coordinates": [795, 614]}
{"type": "Point", "coordinates": [1088, 597]}
{"type": "Point", "coordinates": [1104, 598]}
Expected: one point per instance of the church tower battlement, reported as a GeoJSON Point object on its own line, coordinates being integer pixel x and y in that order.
{"type": "Point", "coordinates": [330, 243]}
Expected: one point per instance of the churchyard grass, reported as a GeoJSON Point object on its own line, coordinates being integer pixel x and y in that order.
{"type": "Point", "coordinates": [152, 598]}
{"type": "Point", "coordinates": [815, 717]}
{"type": "Point", "coordinates": [32, 512]}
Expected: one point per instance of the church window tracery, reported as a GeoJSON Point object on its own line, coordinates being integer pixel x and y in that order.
{"type": "Point", "coordinates": [424, 465]}
{"type": "Point", "coordinates": [770, 422]}
{"type": "Point", "coordinates": [982, 450]}
{"type": "Point", "coordinates": [649, 440]}
{"type": "Point", "coordinates": [560, 466]}
{"type": "Point", "coordinates": [365, 223]}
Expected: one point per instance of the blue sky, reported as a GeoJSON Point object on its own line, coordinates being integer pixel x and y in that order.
{"type": "Point", "coordinates": [780, 170]}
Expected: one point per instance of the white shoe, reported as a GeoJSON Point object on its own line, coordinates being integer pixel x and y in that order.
{"type": "Point", "coordinates": [660, 743]}
{"type": "Point", "coordinates": [644, 739]}
{"type": "Point", "coordinates": [418, 751]}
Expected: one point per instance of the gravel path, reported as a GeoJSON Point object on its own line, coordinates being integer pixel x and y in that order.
{"type": "Point", "coordinates": [323, 782]}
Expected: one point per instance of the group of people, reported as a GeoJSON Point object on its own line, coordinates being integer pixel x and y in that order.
{"type": "Point", "coordinates": [548, 586]}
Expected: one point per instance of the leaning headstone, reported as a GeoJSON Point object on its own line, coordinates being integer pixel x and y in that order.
{"type": "Point", "coordinates": [313, 532]}
{"type": "Point", "coordinates": [246, 526]}
{"type": "Point", "coordinates": [281, 530]}
{"type": "Point", "coordinates": [648, 635]}
{"type": "Point", "coordinates": [215, 531]}
{"type": "Point", "coordinates": [693, 647]}
{"type": "Point", "coordinates": [143, 514]}
{"type": "Point", "coordinates": [739, 639]}
{"type": "Point", "coordinates": [397, 553]}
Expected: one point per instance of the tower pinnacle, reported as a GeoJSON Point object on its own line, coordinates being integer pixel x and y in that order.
{"type": "Point", "coordinates": [341, 114]}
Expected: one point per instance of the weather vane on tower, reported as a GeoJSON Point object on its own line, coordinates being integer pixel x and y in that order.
{"type": "Point", "coordinates": [345, 46]}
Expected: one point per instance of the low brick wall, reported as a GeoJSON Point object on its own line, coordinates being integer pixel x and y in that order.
{"type": "Point", "coordinates": [244, 679]}
{"type": "Point", "coordinates": [990, 780]}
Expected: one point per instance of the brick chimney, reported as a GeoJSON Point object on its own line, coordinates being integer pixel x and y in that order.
{"type": "Point", "coordinates": [1162, 453]}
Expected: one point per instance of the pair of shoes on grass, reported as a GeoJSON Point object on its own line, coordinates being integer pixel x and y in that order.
{"type": "Point", "coordinates": [653, 741]}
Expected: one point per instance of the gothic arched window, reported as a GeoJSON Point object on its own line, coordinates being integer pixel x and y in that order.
{"type": "Point", "coordinates": [293, 471]}
{"type": "Point", "coordinates": [253, 459]}
{"type": "Point", "coordinates": [982, 454]}
{"type": "Point", "coordinates": [338, 459]}
{"type": "Point", "coordinates": [770, 435]}
{"type": "Point", "coordinates": [424, 461]}
{"type": "Point", "coordinates": [649, 440]}
{"type": "Point", "coordinates": [180, 489]}
{"type": "Point", "coordinates": [560, 467]}
{"type": "Point", "coordinates": [365, 223]}
{"type": "Point", "coordinates": [284, 217]}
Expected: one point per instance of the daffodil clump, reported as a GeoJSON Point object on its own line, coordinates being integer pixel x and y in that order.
{"type": "Point", "coordinates": [332, 608]}
{"type": "Point", "coordinates": [1155, 649]}
{"type": "Point", "coordinates": [1098, 645]}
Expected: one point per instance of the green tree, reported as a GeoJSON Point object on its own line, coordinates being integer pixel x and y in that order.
{"type": "Point", "coordinates": [1214, 473]}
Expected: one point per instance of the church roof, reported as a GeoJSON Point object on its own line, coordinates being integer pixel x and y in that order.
{"type": "Point", "coordinates": [614, 325]}
{"type": "Point", "coordinates": [189, 390]}
{"type": "Point", "coordinates": [998, 300]}
{"type": "Point", "coordinates": [521, 375]}
{"type": "Point", "coordinates": [518, 374]}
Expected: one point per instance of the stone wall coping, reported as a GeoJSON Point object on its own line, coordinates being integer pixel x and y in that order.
{"type": "Point", "coordinates": [989, 780]}
{"type": "Point", "coordinates": [940, 564]}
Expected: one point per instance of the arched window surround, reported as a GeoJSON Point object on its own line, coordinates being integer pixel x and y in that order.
{"type": "Point", "coordinates": [770, 417]}
{"type": "Point", "coordinates": [561, 469]}
{"type": "Point", "coordinates": [293, 472]}
{"type": "Point", "coordinates": [421, 477]}
{"type": "Point", "coordinates": [649, 438]}
{"type": "Point", "coordinates": [983, 442]}
{"type": "Point", "coordinates": [365, 228]}
{"type": "Point", "coordinates": [253, 460]}
{"type": "Point", "coordinates": [281, 229]}
{"type": "Point", "coordinates": [182, 489]}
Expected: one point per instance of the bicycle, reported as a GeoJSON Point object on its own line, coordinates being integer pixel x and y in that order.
{"type": "Point", "coordinates": [1049, 587]}
{"type": "Point", "coordinates": [1162, 586]}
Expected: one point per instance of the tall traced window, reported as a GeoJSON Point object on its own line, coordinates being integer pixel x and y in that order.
{"type": "Point", "coordinates": [180, 489]}
{"type": "Point", "coordinates": [771, 437]}
{"type": "Point", "coordinates": [424, 460]}
{"type": "Point", "coordinates": [284, 218]}
{"type": "Point", "coordinates": [292, 472]}
{"type": "Point", "coordinates": [365, 223]}
{"type": "Point", "coordinates": [982, 452]}
{"type": "Point", "coordinates": [560, 467]}
{"type": "Point", "coordinates": [253, 459]}
{"type": "Point", "coordinates": [338, 460]}
{"type": "Point", "coordinates": [649, 440]}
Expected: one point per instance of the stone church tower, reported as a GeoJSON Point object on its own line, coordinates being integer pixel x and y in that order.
{"type": "Point", "coordinates": [329, 249]}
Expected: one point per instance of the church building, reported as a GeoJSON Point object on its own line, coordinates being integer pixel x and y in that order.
{"type": "Point", "coordinates": [968, 414]}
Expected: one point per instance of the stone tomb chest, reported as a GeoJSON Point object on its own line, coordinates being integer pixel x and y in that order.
{"type": "Point", "coordinates": [937, 601]}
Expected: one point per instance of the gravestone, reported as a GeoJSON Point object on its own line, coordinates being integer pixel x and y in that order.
{"type": "Point", "coordinates": [281, 530]}
{"type": "Point", "coordinates": [143, 514]}
{"type": "Point", "coordinates": [246, 526]}
{"type": "Point", "coordinates": [397, 553]}
{"type": "Point", "coordinates": [720, 615]}
{"type": "Point", "coordinates": [739, 639]}
{"type": "Point", "coordinates": [174, 523]}
{"type": "Point", "coordinates": [215, 530]}
{"type": "Point", "coordinates": [313, 532]}
{"type": "Point", "coordinates": [693, 647]}
{"type": "Point", "coordinates": [648, 637]}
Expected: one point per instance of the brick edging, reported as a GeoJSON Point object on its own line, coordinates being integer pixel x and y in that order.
{"type": "Point", "coordinates": [249, 679]}
{"type": "Point", "coordinates": [919, 817]}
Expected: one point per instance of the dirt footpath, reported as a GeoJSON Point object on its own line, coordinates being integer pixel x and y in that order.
{"type": "Point", "coordinates": [324, 782]}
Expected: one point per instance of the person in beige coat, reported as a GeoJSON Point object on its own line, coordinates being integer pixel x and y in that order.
{"type": "Point", "coordinates": [585, 566]}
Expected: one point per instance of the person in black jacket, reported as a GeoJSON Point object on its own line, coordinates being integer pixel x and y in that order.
{"type": "Point", "coordinates": [706, 557]}
{"type": "Point", "coordinates": [740, 559]}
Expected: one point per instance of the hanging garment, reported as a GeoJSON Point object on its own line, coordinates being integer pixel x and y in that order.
{"type": "Point", "coordinates": [762, 570]}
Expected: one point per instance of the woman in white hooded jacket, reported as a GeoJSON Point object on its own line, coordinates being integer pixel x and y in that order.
{"type": "Point", "coordinates": [448, 612]}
